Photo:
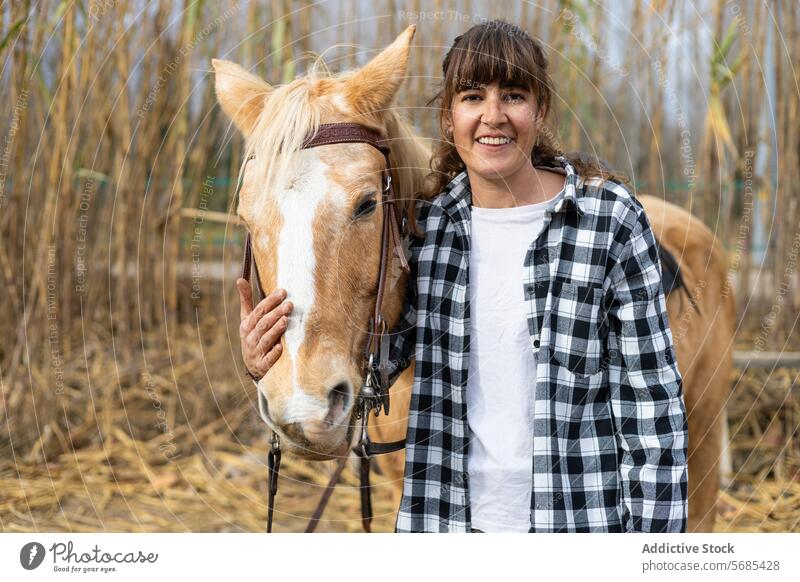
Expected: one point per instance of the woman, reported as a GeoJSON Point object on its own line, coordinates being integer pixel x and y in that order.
{"type": "Point", "coordinates": [546, 393]}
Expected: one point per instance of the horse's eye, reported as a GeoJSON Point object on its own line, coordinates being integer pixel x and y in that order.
{"type": "Point", "coordinates": [366, 206]}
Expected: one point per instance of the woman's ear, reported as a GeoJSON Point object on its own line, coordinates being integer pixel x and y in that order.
{"type": "Point", "coordinates": [540, 114]}
{"type": "Point", "coordinates": [447, 126]}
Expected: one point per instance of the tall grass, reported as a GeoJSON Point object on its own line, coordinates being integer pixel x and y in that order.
{"type": "Point", "coordinates": [111, 129]}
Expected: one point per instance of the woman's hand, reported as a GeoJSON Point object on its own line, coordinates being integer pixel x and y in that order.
{"type": "Point", "coordinates": [261, 328]}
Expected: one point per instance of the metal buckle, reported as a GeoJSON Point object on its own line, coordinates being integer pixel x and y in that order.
{"type": "Point", "coordinates": [369, 391]}
{"type": "Point", "coordinates": [364, 440]}
{"type": "Point", "coordinates": [275, 441]}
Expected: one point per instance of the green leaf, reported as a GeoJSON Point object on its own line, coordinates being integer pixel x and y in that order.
{"type": "Point", "coordinates": [192, 16]}
{"type": "Point", "coordinates": [276, 41]}
{"type": "Point", "coordinates": [730, 36]}
{"type": "Point", "coordinates": [60, 11]}
{"type": "Point", "coordinates": [577, 7]}
{"type": "Point", "coordinates": [288, 71]}
{"type": "Point", "coordinates": [11, 33]}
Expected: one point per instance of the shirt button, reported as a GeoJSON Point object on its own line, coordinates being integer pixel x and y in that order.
{"type": "Point", "coordinates": [535, 342]}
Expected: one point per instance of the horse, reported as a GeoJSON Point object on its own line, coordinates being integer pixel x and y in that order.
{"type": "Point", "coordinates": [702, 315]}
{"type": "Point", "coordinates": [316, 232]}
{"type": "Point", "coordinates": [315, 223]}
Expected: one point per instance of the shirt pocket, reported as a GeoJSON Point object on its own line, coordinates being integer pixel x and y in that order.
{"type": "Point", "coordinates": [576, 327]}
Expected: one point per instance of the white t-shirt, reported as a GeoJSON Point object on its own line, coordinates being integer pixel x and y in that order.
{"type": "Point", "coordinates": [502, 367]}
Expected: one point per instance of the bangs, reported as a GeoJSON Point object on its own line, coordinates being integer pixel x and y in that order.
{"type": "Point", "coordinates": [495, 55]}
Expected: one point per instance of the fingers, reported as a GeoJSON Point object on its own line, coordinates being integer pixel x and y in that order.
{"type": "Point", "coordinates": [267, 323]}
{"type": "Point", "coordinates": [271, 357]}
{"type": "Point", "coordinates": [272, 335]}
{"type": "Point", "coordinates": [250, 319]}
{"type": "Point", "coordinates": [269, 302]}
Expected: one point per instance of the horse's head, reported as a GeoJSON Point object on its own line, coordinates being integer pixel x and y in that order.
{"type": "Point", "coordinates": [315, 218]}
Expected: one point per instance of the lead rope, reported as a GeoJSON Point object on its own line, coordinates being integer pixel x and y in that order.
{"type": "Point", "coordinates": [326, 495]}
{"type": "Point", "coordinates": [273, 467]}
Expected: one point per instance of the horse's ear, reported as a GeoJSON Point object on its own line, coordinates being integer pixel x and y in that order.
{"type": "Point", "coordinates": [372, 88]}
{"type": "Point", "coordinates": [241, 94]}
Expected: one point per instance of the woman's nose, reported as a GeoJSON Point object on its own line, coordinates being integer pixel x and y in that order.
{"type": "Point", "coordinates": [493, 114]}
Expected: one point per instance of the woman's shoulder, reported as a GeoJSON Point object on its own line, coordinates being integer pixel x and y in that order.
{"type": "Point", "coordinates": [599, 191]}
{"type": "Point", "coordinates": [432, 205]}
{"type": "Point", "coordinates": [610, 197]}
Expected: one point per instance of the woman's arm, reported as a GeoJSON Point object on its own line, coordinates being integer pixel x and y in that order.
{"type": "Point", "coordinates": [647, 400]}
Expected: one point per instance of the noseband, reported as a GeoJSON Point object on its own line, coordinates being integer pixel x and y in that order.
{"type": "Point", "coordinates": [374, 394]}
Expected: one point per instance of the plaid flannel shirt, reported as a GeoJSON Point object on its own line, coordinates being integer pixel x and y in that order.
{"type": "Point", "coordinates": [610, 432]}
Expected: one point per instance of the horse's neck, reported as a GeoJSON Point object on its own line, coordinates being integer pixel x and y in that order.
{"type": "Point", "coordinates": [413, 155]}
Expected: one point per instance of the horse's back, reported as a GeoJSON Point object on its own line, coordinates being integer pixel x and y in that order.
{"type": "Point", "coordinates": [691, 242]}
{"type": "Point", "coordinates": [702, 318]}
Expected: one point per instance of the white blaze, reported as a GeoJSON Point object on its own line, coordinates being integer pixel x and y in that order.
{"type": "Point", "coordinates": [298, 201]}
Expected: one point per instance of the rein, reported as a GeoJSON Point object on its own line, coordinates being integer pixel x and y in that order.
{"type": "Point", "coordinates": [374, 394]}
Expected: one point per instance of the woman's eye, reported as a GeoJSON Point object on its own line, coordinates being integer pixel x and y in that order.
{"type": "Point", "coordinates": [472, 97]}
{"type": "Point", "coordinates": [366, 206]}
{"type": "Point", "coordinates": [515, 97]}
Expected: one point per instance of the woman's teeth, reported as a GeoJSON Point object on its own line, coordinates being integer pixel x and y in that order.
{"type": "Point", "coordinates": [493, 140]}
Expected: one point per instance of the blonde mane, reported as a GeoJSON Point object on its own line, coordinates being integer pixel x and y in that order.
{"type": "Point", "coordinates": [287, 118]}
{"type": "Point", "coordinates": [291, 113]}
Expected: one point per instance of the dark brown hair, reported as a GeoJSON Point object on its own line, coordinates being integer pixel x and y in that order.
{"type": "Point", "coordinates": [502, 52]}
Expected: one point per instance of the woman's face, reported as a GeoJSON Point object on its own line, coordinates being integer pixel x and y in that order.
{"type": "Point", "coordinates": [494, 129]}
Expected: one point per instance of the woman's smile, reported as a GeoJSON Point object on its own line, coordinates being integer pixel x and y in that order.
{"type": "Point", "coordinates": [493, 143]}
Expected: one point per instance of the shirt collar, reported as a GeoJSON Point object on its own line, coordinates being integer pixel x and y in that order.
{"type": "Point", "coordinates": [456, 197]}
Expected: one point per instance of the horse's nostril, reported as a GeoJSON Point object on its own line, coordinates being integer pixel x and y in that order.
{"type": "Point", "coordinates": [339, 397]}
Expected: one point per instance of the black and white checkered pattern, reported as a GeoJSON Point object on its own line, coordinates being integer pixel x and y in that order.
{"type": "Point", "coordinates": [610, 431]}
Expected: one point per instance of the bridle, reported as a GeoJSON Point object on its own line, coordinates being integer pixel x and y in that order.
{"type": "Point", "coordinates": [374, 394]}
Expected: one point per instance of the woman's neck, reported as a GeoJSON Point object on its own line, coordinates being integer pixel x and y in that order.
{"type": "Point", "coordinates": [526, 186]}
